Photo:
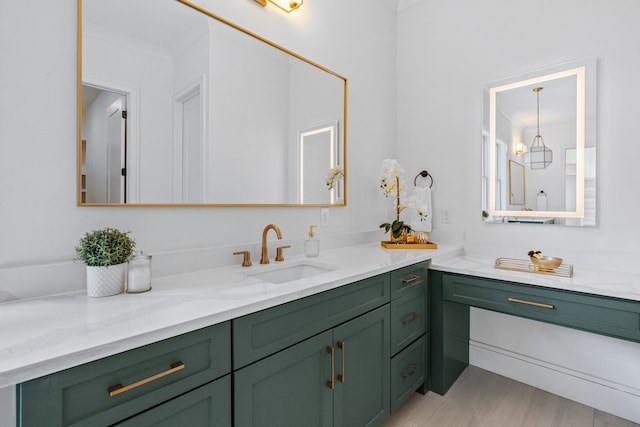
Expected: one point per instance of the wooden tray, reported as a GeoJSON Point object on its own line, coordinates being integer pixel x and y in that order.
{"type": "Point", "coordinates": [392, 245]}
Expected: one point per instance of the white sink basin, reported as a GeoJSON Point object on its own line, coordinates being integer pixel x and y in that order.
{"type": "Point", "coordinates": [288, 272]}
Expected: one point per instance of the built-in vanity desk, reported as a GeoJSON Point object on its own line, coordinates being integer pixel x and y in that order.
{"type": "Point", "coordinates": [603, 303]}
{"type": "Point", "coordinates": [74, 359]}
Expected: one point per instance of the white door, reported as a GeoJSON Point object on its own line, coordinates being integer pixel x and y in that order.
{"type": "Point", "coordinates": [116, 151]}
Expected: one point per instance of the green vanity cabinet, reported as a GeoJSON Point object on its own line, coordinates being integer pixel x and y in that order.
{"type": "Point", "coordinates": [409, 332]}
{"type": "Point", "coordinates": [144, 383]}
{"type": "Point", "coordinates": [452, 294]}
{"type": "Point", "coordinates": [263, 333]}
{"type": "Point", "coordinates": [345, 357]}
{"type": "Point", "coordinates": [339, 377]}
{"type": "Point", "coordinates": [322, 360]}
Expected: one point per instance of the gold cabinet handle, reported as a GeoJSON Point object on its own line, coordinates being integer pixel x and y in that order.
{"type": "Point", "coordinates": [414, 369]}
{"type": "Point", "coordinates": [115, 390]}
{"type": "Point", "coordinates": [341, 346]}
{"type": "Point", "coordinates": [535, 304]}
{"type": "Point", "coordinates": [411, 279]}
{"type": "Point", "coordinates": [413, 317]}
{"type": "Point", "coordinates": [331, 383]}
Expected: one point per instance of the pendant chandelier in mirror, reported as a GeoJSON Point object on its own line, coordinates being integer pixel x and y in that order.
{"type": "Point", "coordinates": [538, 156]}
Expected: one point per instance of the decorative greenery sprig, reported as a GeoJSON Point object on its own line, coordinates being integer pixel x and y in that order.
{"type": "Point", "coordinates": [105, 247]}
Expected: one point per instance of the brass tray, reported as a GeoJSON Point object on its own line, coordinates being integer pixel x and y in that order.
{"type": "Point", "coordinates": [564, 270]}
{"type": "Point", "coordinates": [387, 244]}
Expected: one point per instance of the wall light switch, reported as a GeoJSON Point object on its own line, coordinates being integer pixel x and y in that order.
{"type": "Point", "coordinates": [324, 217]}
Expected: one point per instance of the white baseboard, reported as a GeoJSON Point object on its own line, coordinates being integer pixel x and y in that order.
{"type": "Point", "coordinates": [592, 391]}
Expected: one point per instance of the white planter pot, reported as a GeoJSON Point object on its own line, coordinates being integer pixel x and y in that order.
{"type": "Point", "coordinates": [106, 281]}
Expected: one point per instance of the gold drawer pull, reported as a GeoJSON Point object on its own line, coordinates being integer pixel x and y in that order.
{"type": "Point", "coordinates": [535, 304]}
{"type": "Point", "coordinates": [411, 319]}
{"type": "Point", "coordinates": [411, 279]}
{"type": "Point", "coordinates": [341, 346]}
{"type": "Point", "coordinates": [331, 383]}
{"type": "Point", "coordinates": [115, 390]}
{"type": "Point", "coordinates": [408, 375]}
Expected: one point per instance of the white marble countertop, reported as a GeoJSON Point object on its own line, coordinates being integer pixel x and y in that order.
{"type": "Point", "coordinates": [598, 282]}
{"type": "Point", "coordinates": [47, 334]}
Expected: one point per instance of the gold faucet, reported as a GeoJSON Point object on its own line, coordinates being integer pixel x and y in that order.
{"type": "Point", "coordinates": [264, 259]}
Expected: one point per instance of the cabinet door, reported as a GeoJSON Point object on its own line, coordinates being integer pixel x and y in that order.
{"type": "Point", "coordinates": [362, 370]}
{"type": "Point", "coordinates": [287, 389]}
{"type": "Point", "coordinates": [206, 406]}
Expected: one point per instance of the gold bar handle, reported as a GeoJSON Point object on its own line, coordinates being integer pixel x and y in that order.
{"type": "Point", "coordinates": [535, 304]}
{"type": "Point", "coordinates": [411, 279]}
{"type": "Point", "coordinates": [341, 346]}
{"type": "Point", "coordinates": [115, 390]}
{"type": "Point", "coordinates": [414, 316]}
{"type": "Point", "coordinates": [414, 368]}
{"type": "Point", "coordinates": [331, 383]}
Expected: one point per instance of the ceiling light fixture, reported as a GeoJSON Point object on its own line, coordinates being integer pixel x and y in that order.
{"type": "Point", "coordinates": [286, 5]}
{"type": "Point", "coordinates": [538, 156]}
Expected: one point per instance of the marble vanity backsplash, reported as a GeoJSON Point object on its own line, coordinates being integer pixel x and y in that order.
{"type": "Point", "coordinates": [55, 278]}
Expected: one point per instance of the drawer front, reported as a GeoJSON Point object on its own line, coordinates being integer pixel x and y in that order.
{"type": "Point", "coordinates": [608, 316]}
{"type": "Point", "coordinates": [86, 395]}
{"type": "Point", "coordinates": [263, 333]}
{"type": "Point", "coordinates": [206, 406]}
{"type": "Point", "coordinates": [406, 279]}
{"type": "Point", "coordinates": [409, 318]}
{"type": "Point", "coordinates": [408, 371]}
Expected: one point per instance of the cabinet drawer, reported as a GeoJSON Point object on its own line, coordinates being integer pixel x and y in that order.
{"type": "Point", "coordinates": [604, 315]}
{"type": "Point", "coordinates": [408, 371]}
{"type": "Point", "coordinates": [81, 396]}
{"type": "Point", "coordinates": [263, 333]}
{"type": "Point", "coordinates": [408, 278]}
{"type": "Point", "coordinates": [206, 406]}
{"type": "Point", "coordinates": [409, 318]}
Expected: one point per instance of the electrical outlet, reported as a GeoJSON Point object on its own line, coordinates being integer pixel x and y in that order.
{"type": "Point", "coordinates": [324, 217]}
{"type": "Point", "coordinates": [446, 215]}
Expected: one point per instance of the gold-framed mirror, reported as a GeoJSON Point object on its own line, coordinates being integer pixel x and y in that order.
{"type": "Point", "coordinates": [558, 103]}
{"type": "Point", "coordinates": [178, 106]}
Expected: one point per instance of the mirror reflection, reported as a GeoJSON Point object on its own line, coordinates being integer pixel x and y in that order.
{"type": "Point", "coordinates": [539, 128]}
{"type": "Point", "coordinates": [180, 107]}
{"type": "Point", "coordinates": [516, 183]}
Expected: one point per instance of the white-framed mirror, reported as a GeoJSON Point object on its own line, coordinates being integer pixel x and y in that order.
{"type": "Point", "coordinates": [545, 121]}
{"type": "Point", "coordinates": [214, 112]}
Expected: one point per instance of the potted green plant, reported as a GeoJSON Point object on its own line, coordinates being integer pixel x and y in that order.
{"type": "Point", "coordinates": [105, 253]}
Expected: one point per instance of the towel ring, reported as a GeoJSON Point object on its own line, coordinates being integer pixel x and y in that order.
{"type": "Point", "coordinates": [423, 174]}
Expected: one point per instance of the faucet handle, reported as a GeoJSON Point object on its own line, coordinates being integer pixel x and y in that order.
{"type": "Point", "coordinates": [246, 259]}
{"type": "Point", "coordinates": [279, 256]}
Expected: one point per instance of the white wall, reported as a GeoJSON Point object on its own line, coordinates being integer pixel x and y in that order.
{"type": "Point", "coordinates": [446, 52]}
{"type": "Point", "coordinates": [39, 220]}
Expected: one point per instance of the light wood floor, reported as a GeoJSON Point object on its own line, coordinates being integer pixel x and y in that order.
{"type": "Point", "coordinates": [483, 399]}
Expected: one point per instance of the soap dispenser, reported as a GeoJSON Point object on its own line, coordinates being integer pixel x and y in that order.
{"type": "Point", "coordinates": [311, 245]}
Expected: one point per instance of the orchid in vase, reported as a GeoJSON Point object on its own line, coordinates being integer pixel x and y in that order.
{"type": "Point", "coordinates": [393, 185]}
